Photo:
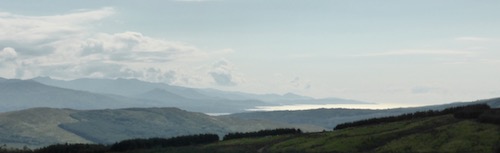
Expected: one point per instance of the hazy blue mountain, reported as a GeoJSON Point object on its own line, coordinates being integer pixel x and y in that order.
{"type": "Point", "coordinates": [212, 105]}
{"type": "Point", "coordinates": [234, 95]}
{"type": "Point", "coordinates": [133, 87]}
{"type": "Point", "coordinates": [329, 118]}
{"type": "Point", "coordinates": [275, 99]}
{"type": "Point", "coordinates": [124, 87]}
{"type": "Point", "coordinates": [161, 94]}
{"type": "Point", "coordinates": [44, 126]}
{"type": "Point", "coordinates": [22, 94]}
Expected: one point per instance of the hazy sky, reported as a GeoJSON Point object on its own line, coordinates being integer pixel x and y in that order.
{"type": "Point", "coordinates": [384, 51]}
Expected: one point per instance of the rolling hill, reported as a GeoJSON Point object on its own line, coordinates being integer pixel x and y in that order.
{"type": "Point", "coordinates": [44, 126]}
{"type": "Point", "coordinates": [441, 133]}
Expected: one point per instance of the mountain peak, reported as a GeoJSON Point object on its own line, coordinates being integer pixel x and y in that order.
{"type": "Point", "coordinates": [295, 96]}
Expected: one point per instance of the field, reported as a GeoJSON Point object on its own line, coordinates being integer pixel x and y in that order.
{"type": "Point", "coordinates": [433, 134]}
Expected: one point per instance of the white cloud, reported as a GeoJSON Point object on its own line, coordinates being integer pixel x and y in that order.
{"type": "Point", "coordinates": [7, 53]}
{"type": "Point", "coordinates": [8, 63]}
{"type": "Point", "coordinates": [67, 46]}
{"type": "Point", "coordinates": [42, 29]}
{"type": "Point", "coordinates": [222, 73]}
{"type": "Point", "coordinates": [298, 83]}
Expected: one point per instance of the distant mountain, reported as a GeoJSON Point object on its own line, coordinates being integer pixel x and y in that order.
{"type": "Point", "coordinates": [134, 88]}
{"type": "Point", "coordinates": [131, 87]}
{"type": "Point", "coordinates": [211, 105]}
{"type": "Point", "coordinates": [44, 126]}
{"type": "Point", "coordinates": [329, 118]}
{"type": "Point", "coordinates": [234, 95]}
{"type": "Point", "coordinates": [123, 87]}
{"type": "Point", "coordinates": [161, 94]}
{"type": "Point", "coordinates": [22, 94]}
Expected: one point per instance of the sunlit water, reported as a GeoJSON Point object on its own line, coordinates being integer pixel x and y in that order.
{"type": "Point", "coordinates": [318, 106]}
{"type": "Point", "coordinates": [217, 114]}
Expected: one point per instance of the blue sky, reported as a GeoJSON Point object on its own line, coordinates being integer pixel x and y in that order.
{"type": "Point", "coordinates": [388, 51]}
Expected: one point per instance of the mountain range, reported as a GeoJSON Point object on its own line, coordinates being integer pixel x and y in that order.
{"type": "Point", "coordinates": [126, 93]}
{"type": "Point", "coordinates": [44, 111]}
{"type": "Point", "coordinates": [23, 94]}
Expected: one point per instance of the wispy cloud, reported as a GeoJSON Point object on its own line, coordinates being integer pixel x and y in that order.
{"type": "Point", "coordinates": [67, 46]}
{"type": "Point", "coordinates": [223, 74]}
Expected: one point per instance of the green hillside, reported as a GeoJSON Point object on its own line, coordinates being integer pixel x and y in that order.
{"type": "Point", "coordinates": [432, 134]}
{"type": "Point", "coordinates": [40, 127]}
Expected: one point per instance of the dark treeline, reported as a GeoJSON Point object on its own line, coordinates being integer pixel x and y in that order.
{"type": "Point", "coordinates": [5, 149]}
{"type": "Point", "coordinates": [135, 144]}
{"type": "Point", "coordinates": [125, 145]}
{"type": "Point", "coordinates": [61, 148]}
{"type": "Point", "coordinates": [73, 148]}
{"type": "Point", "coordinates": [261, 133]}
{"type": "Point", "coordinates": [490, 116]}
{"type": "Point", "coordinates": [482, 112]}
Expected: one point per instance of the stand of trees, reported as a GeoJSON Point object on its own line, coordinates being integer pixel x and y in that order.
{"type": "Point", "coordinates": [262, 133]}
{"type": "Point", "coordinates": [482, 112]}
{"type": "Point", "coordinates": [60, 148]}
{"type": "Point", "coordinates": [73, 148]}
{"type": "Point", "coordinates": [5, 149]}
{"type": "Point", "coordinates": [490, 116]}
{"type": "Point", "coordinates": [134, 144]}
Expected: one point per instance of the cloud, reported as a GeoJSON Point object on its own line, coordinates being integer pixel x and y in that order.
{"type": "Point", "coordinates": [44, 29]}
{"type": "Point", "coordinates": [222, 73]}
{"type": "Point", "coordinates": [8, 53]}
{"type": "Point", "coordinates": [419, 52]}
{"type": "Point", "coordinates": [68, 46]}
{"type": "Point", "coordinates": [299, 83]}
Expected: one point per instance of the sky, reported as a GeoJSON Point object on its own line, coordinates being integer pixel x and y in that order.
{"type": "Point", "coordinates": [386, 51]}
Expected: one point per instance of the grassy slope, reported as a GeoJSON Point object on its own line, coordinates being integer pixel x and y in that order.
{"type": "Point", "coordinates": [36, 128]}
{"type": "Point", "coordinates": [40, 127]}
{"type": "Point", "coordinates": [435, 134]}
